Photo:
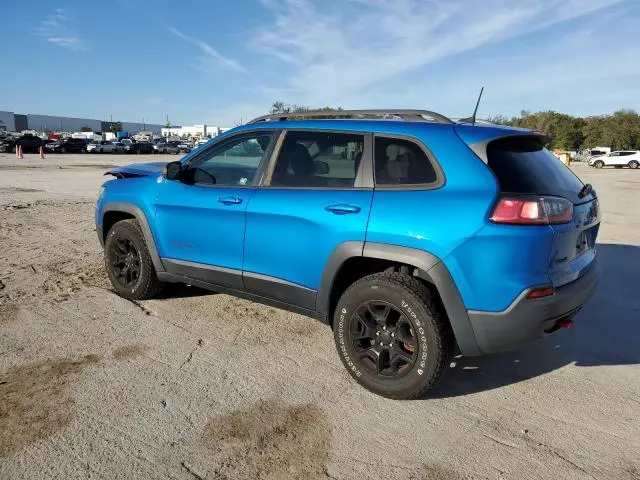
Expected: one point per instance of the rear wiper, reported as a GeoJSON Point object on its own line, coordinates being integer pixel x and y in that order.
{"type": "Point", "coordinates": [586, 190]}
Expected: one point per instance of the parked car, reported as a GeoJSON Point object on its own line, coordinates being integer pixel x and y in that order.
{"type": "Point", "coordinates": [139, 147]}
{"type": "Point", "coordinates": [618, 159]}
{"type": "Point", "coordinates": [120, 147]}
{"type": "Point", "coordinates": [414, 239]}
{"type": "Point", "coordinates": [103, 146]}
{"type": "Point", "coordinates": [165, 148]}
{"type": "Point", "coordinates": [185, 147]}
{"type": "Point", "coordinates": [7, 144]}
{"type": "Point", "coordinates": [29, 143]}
{"type": "Point", "coordinates": [68, 145]}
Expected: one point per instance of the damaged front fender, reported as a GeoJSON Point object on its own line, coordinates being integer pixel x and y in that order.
{"type": "Point", "coordinates": [138, 170]}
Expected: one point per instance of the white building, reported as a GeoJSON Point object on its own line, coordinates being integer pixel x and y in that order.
{"type": "Point", "coordinates": [193, 131]}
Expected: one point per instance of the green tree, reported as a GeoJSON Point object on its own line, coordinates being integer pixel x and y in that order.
{"type": "Point", "coordinates": [281, 107]}
{"type": "Point", "coordinates": [115, 127]}
{"type": "Point", "coordinates": [86, 129]}
{"type": "Point", "coordinates": [621, 130]}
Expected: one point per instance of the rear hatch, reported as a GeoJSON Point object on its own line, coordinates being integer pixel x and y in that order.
{"type": "Point", "coordinates": [525, 169]}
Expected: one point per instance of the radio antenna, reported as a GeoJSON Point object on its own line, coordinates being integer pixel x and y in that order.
{"type": "Point", "coordinates": [472, 118]}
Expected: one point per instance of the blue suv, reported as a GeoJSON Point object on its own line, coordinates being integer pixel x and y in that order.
{"type": "Point", "coordinates": [413, 236]}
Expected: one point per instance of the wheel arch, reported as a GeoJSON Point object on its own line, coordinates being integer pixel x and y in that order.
{"type": "Point", "coordinates": [352, 260]}
{"type": "Point", "coordinates": [114, 212]}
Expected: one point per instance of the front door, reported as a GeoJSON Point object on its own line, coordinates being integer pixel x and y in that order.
{"type": "Point", "coordinates": [313, 200]}
{"type": "Point", "coordinates": [200, 222]}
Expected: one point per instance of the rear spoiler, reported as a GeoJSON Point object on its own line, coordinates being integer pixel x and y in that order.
{"type": "Point", "coordinates": [478, 138]}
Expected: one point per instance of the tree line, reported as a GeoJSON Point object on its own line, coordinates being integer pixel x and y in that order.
{"type": "Point", "coordinates": [620, 130]}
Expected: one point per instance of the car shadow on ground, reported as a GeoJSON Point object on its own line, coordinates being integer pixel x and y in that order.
{"type": "Point", "coordinates": [606, 332]}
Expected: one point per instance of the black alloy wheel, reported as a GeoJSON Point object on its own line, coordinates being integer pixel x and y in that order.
{"type": "Point", "coordinates": [383, 339]}
{"type": "Point", "coordinates": [124, 259]}
{"type": "Point", "coordinates": [128, 262]}
{"type": "Point", "coordinates": [391, 335]}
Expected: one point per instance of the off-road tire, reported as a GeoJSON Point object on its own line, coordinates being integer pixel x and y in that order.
{"type": "Point", "coordinates": [598, 164]}
{"type": "Point", "coordinates": [634, 164]}
{"type": "Point", "coordinates": [147, 284]}
{"type": "Point", "coordinates": [413, 300]}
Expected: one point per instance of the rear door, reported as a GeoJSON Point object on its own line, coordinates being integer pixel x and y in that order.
{"type": "Point", "coordinates": [523, 166]}
{"type": "Point", "coordinates": [615, 158]}
{"type": "Point", "coordinates": [315, 196]}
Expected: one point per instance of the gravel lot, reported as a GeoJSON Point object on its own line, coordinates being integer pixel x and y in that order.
{"type": "Point", "coordinates": [202, 386]}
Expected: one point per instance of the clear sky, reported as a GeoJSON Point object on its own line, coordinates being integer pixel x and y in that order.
{"type": "Point", "coordinates": [217, 61]}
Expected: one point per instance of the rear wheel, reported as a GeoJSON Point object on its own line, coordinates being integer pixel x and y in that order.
{"type": "Point", "coordinates": [599, 164]}
{"type": "Point", "coordinates": [128, 262]}
{"type": "Point", "coordinates": [634, 164]}
{"type": "Point", "coordinates": [390, 335]}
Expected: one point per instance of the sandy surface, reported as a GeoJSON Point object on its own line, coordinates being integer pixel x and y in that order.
{"type": "Point", "coordinates": [204, 386]}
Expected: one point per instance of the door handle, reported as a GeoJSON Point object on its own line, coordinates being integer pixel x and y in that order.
{"type": "Point", "coordinates": [230, 200]}
{"type": "Point", "coordinates": [342, 208]}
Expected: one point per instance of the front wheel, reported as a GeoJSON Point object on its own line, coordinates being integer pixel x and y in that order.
{"type": "Point", "coordinates": [391, 336]}
{"type": "Point", "coordinates": [128, 262]}
{"type": "Point", "coordinates": [599, 164]}
{"type": "Point", "coordinates": [634, 164]}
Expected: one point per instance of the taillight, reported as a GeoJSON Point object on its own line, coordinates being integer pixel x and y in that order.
{"type": "Point", "coordinates": [532, 211]}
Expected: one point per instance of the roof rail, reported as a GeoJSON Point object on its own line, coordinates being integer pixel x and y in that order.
{"type": "Point", "coordinates": [408, 115]}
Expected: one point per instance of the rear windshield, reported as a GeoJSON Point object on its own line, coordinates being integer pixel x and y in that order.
{"type": "Point", "coordinates": [522, 165]}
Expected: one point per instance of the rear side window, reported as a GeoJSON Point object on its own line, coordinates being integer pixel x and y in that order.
{"type": "Point", "coordinates": [318, 159]}
{"type": "Point", "coordinates": [523, 166]}
{"type": "Point", "coordinates": [401, 162]}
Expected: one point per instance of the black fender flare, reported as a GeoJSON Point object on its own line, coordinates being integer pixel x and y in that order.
{"type": "Point", "coordinates": [139, 215]}
{"type": "Point", "coordinates": [430, 268]}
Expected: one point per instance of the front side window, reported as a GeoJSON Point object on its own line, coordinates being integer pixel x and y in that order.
{"type": "Point", "coordinates": [401, 162]}
{"type": "Point", "coordinates": [318, 159]}
{"type": "Point", "coordinates": [233, 163]}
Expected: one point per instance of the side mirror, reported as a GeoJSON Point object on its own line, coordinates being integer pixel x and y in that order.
{"type": "Point", "coordinates": [321, 168]}
{"type": "Point", "coordinates": [173, 171]}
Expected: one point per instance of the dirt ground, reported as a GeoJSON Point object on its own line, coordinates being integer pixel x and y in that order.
{"type": "Point", "coordinates": [196, 385]}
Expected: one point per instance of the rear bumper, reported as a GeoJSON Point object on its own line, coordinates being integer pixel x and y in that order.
{"type": "Point", "coordinates": [527, 320]}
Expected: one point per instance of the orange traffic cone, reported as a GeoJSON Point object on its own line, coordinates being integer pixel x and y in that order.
{"type": "Point", "coordinates": [19, 152]}
{"type": "Point", "coordinates": [41, 151]}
